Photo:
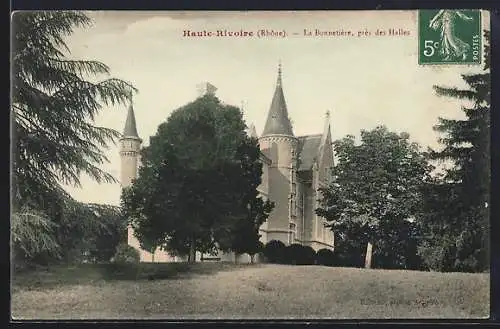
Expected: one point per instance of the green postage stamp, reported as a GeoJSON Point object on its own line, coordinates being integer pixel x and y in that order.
{"type": "Point", "coordinates": [449, 36]}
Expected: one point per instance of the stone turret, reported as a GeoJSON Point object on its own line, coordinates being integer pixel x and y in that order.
{"type": "Point", "coordinates": [130, 146]}
{"type": "Point", "coordinates": [279, 144]}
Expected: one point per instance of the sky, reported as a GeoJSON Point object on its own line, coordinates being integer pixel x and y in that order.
{"type": "Point", "coordinates": [364, 81]}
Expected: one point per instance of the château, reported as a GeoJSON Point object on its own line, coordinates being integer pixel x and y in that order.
{"type": "Point", "coordinates": [294, 168]}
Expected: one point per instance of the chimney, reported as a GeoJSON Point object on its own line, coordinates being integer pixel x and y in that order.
{"type": "Point", "coordinates": [206, 88]}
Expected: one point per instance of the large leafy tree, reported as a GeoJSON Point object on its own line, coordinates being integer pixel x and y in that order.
{"type": "Point", "coordinates": [375, 189]}
{"type": "Point", "coordinates": [244, 232]}
{"type": "Point", "coordinates": [457, 235]}
{"type": "Point", "coordinates": [149, 202]}
{"type": "Point", "coordinates": [198, 179]}
{"type": "Point", "coordinates": [54, 102]}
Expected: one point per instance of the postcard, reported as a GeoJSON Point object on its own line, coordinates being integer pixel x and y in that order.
{"type": "Point", "coordinates": [250, 165]}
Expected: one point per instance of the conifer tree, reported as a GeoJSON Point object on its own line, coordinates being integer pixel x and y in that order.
{"type": "Point", "coordinates": [54, 103]}
{"type": "Point", "coordinates": [456, 222]}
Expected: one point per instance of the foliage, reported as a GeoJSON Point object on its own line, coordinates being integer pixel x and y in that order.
{"type": "Point", "coordinates": [325, 257]}
{"type": "Point", "coordinates": [149, 230]}
{"type": "Point", "coordinates": [88, 230]}
{"type": "Point", "coordinates": [54, 105]}
{"type": "Point", "coordinates": [398, 249]}
{"type": "Point", "coordinates": [297, 254]}
{"type": "Point", "coordinates": [103, 243]}
{"type": "Point", "coordinates": [32, 233]}
{"type": "Point", "coordinates": [274, 251]}
{"type": "Point", "coordinates": [487, 50]}
{"type": "Point", "coordinates": [455, 225]}
{"type": "Point", "coordinates": [54, 102]}
{"type": "Point", "coordinates": [196, 189]}
{"type": "Point", "coordinates": [375, 188]}
{"type": "Point", "coordinates": [245, 237]}
{"type": "Point", "coordinates": [126, 254]}
{"type": "Point", "coordinates": [256, 250]}
{"type": "Point", "coordinates": [82, 232]}
{"type": "Point", "coordinates": [350, 247]}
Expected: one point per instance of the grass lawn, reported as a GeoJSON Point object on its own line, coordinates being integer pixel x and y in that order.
{"type": "Point", "coordinates": [222, 290]}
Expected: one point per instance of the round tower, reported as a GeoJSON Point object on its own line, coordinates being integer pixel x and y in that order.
{"type": "Point", "coordinates": [130, 146]}
{"type": "Point", "coordinates": [279, 144]}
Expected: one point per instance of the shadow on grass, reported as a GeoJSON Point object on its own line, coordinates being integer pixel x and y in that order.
{"type": "Point", "coordinates": [44, 277]}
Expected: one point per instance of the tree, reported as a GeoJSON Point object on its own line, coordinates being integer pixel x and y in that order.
{"type": "Point", "coordinates": [375, 187]}
{"type": "Point", "coordinates": [244, 232]}
{"type": "Point", "coordinates": [144, 206]}
{"type": "Point", "coordinates": [112, 231]}
{"type": "Point", "coordinates": [456, 223]}
{"type": "Point", "coordinates": [198, 178]}
{"type": "Point", "coordinates": [83, 229]}
{"type": "Point", "coordinates": [54, 102]}
{"type": "Point", "coordinates": [245, 238]}
{"type": "Point", "coordinates": [350, 246]}
{"type": "Point", "coordinates": [32, 233]}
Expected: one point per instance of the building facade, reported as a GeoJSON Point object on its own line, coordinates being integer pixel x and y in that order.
{"type": "Point", "coordinates": [294, 168]}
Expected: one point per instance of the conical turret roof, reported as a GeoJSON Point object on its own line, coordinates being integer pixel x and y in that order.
{"type": "Point", "coordinates": [130, 129]}
{"type": "Point", "coordinates": [277, 118]}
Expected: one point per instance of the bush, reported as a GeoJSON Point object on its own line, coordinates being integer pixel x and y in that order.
{"type": "Point", "coordinates": [309, 256]}
{"type": "Point", "coordinates": [274, 251]}
{"type": "Point", "coordinates": [325, 257]}
{"type": "Point", "coordinates": [297, 254]}
{"type": "Point", "coordinates": [293, 254]}
{"type": "Point", "coordinates": [126, 254]}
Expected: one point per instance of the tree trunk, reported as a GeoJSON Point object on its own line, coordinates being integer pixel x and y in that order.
{"type": "Point", "coordinates": [368, 256]}
{"type": "Point", "coordinates": [251, 258]}
{"type": "Point", "coordinates": [192, 251]}
{"type": "Point", "coordinates": [235, 258]}
{"type": "Point", "coordinates": [153, 256]}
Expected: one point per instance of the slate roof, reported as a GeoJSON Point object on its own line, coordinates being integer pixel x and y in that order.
{"type": "Point", "coordinates": [130, 129]}
{"type": "Point", "coordinates": [278, 121]}
{"type": "Point", "coordinates": [307, 150]}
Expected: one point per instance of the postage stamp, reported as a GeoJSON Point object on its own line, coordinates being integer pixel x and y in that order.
{"type": "Point", "coordinates": [250, 165]}
{"type": "Point", "coordinates": [449, 36]}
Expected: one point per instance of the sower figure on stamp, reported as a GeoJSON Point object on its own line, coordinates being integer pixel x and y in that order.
{"type": "Point", "coordinates": [451, 45]}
